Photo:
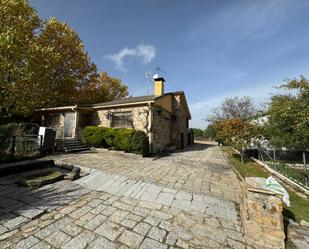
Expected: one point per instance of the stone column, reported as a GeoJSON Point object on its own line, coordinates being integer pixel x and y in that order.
{"type": "Point", "coordinates": [262, 217]}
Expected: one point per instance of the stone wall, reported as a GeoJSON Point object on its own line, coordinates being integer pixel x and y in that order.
{"type": "Point", "coordinates": [140, 116]}
{"type": "Point", "coordinates": [180, 124]}
{"type": "Point", "coordinates": [262, 215]}
{"type": "Point", "coordinates": [54, 120]}
{"type": "Point", "coordinates": [161, 129]}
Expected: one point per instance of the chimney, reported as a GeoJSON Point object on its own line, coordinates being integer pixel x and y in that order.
{"type": "Point", "coordinates": [158, 85]}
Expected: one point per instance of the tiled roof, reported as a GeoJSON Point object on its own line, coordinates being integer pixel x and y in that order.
{"type": "Point", "coordinates": [127, 100]}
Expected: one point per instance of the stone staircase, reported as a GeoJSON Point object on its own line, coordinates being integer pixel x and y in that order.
{"type": "Point", "coordinates": [70, 145]}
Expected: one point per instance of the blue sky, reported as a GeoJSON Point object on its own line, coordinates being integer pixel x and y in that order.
{"type": "Point", "coordinates": [211, 49]}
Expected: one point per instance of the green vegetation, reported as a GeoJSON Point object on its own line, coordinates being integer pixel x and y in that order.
{"type": "Point", "coordinates": [299, 209]}
{"type": "Point", "coordinates": [140, 143]}
{"type": "Point", "coordinates": [198, 132]}
{"type": "Point", "coordinates": [288, 120]}
{"type": "Point", "coordinates": [293, 173]}
{"type": "Point", "coordinates": [209, 133]}
{"type": "Point", "coordinates": [43, 63]}
{"type": "Point", "coordinates": [124, 139]}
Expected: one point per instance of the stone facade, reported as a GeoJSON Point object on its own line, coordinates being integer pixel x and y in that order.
{"type": "Point", "coordinates": [56, 120]}
{"type": "Point", "coordinates": [180, 124]}
{"type": "Point", "coordinates": [163, 118]}
{"type": "Point", "coordinates": [140, 117]}
{"type": "Point", "coordinates": [161, 129]}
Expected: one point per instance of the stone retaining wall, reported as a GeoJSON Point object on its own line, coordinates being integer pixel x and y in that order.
{"type": "Point", "coordinates": [262, 216]}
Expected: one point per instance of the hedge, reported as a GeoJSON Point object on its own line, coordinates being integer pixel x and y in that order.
{"type": "Point", "coordinates": [140, 143]}
{"type": "Point", "coordinates": [123, 139]}
{"type": "Point", "coordinates": [128, 140]}
{"type": "Point", "coordinates": [93, 136]}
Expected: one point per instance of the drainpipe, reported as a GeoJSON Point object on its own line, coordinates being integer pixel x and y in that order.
{"type": "Point", "coordinates": [150, 129]}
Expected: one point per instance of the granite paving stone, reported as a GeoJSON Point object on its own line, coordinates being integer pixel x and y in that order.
{"type": "Point", "coordinates": [127, 201]}
{"type": "Point", "coordinates": [131, 239]}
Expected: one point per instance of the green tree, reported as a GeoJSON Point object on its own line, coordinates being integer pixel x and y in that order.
{"type": "Point", "coordinates": [19, 24]}
{"type": "Point", "coordinates": [288, 116]}
{"type": "Point", "coordinates": [210, 132]}
{"type": "Point", "coordinates": [198, 132]}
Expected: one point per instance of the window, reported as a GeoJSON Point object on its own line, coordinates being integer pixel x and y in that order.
{"type": "Point", "coordinates": [122, 120]}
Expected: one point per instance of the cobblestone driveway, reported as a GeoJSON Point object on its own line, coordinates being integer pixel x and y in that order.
{"type": "Point", "coordinates": [200, 169]}
{"type": "Point", "coordinates": [186, 200]}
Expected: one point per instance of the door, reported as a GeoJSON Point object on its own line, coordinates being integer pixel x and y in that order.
{"type": "Point", "coordinates": [182, 141]}
{"type": "Point", "coordinates": [68, 124]}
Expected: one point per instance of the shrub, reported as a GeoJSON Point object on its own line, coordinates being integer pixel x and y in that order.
{"type": "Point", "coordinates": [93, 136]}
{"type": "Point", "coordinates": [140, 143]}
{"type": "Point", "coordinates": [123, 139]}
{"type": "Point", "coordinates": [109, 136]}
{"type": "Point", "coordinates": [18, 129]}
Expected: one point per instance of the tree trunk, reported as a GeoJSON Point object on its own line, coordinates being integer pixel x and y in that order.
{"type": "Point", "coordinates": [242, 156]}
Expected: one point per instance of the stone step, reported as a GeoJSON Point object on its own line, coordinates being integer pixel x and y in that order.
{"type": "Point", "coordinates": [76, 149]}
{"type": "Point", "coordinates": [70, 145]}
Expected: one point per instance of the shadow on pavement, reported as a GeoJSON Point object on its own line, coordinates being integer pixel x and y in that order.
{"type": "Point", "coordinates": [18, 205]}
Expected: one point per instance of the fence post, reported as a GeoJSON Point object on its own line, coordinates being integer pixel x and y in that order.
{"type": "Point", "coordinates": [274, 154]}
{"type": "Point", "coordinates": [41, 145]}
{"type": "Point", "coordinates": [305, 168]}
{"type": "Point", "coordinates": [13, 147]}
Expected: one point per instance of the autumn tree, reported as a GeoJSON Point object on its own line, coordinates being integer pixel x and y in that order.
{"type": "Point", "coordinates": [43, 63]}
{"type": "Point", "coordinates": [239, 133]}
{"type": "Point", "coordinates": [288, 116]}
{"type": "Point", "coordinates": [101, 88]}
{"type": "Point", "coordinates": [233, 122]}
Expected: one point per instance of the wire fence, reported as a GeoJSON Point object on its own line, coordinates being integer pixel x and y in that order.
{"type": "Point", "coordinates": [14, 148]}
{"type": "Point", "coordinates": [291, 164]}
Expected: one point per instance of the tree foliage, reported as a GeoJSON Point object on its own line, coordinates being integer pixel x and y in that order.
{"type": "Point", "coordinates": [232, 121]}
{"type": "Point", "coordinates": [239, 133]}
{"type": "Point", "coordinates": [198, 132]}
{"type": "Point", "coordinates": [234, 107]}
{"type": "Point", "coordinates": [43, 63]}
{"type": "Point", "coordinates": [210, 132]}
{"type": "Point", "coordinates": [288, 116]}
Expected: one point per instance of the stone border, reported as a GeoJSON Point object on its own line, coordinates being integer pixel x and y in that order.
{"type": "Point", "coordinates": [282, 177]}
{"type": "Point", "coordinates": [117, 152]}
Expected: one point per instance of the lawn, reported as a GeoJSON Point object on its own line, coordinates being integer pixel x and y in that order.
{"type": "Point", "coordinates": [299, 209]}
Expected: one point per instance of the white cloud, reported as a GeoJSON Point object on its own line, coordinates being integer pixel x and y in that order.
{"type": "Point", "coordinates": [241, 20]}
{"type": "Point", "coordinates": [145, 52]}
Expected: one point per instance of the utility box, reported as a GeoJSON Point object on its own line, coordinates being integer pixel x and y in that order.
{"type": "Point", "coordinates": [47, 137]}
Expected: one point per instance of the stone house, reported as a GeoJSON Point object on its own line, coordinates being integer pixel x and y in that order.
{"type": "Point", "coordinates": [164, 117]}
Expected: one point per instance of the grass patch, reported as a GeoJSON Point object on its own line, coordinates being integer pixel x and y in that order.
{"type": "Point", "coordinates": [249, 168]}
{"type": "Point", "coordinates": [299, 209]}
{"type": "Point", "coordinates": [290, 172]}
